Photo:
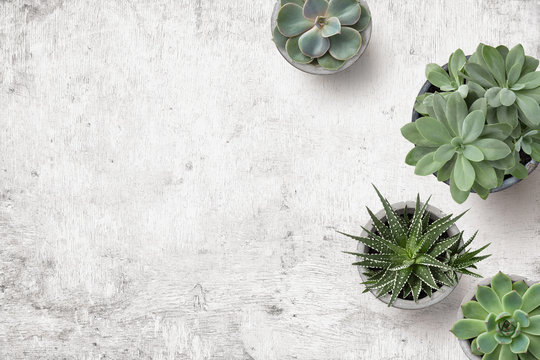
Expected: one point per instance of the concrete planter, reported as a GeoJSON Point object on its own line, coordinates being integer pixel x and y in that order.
{"type": "Point", "coordinates": [531, 165]}
{"type": "Point", "coordinates": [401, 303]}
{"type": "Point", "coordinates": [466, 344]}
{"type": "Point", "coordinates": [316, 69]}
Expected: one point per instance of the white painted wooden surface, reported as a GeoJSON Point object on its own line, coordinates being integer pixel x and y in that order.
{"type": "Point", "coordinates": [168, 182]}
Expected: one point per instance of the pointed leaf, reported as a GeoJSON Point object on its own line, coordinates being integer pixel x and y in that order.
{"type": "Point", "coordinates": [396, 228]}
{"type": "Point", "coordinates": [521, 287]}
{"type": "Point", "coordinates": [401, 278]}
{"type": "Point", "coordinates": [468, 328]}
{"type": "Point", "coordinates": [423, 273]}
{"type": "Point", "coordinates": [511, 302]}
{"type": "Point", "coordinates": [531, 298]}
{"type": "Point", "coordinates": [501, 284]}
{"type": "Point", "coordinates": [489, 300]}
{"type": "Point", "coordinates": [444, 245]}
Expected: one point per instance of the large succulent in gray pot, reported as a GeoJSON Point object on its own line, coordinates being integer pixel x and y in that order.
{"type": "Point", "coordinates": [320, 36]}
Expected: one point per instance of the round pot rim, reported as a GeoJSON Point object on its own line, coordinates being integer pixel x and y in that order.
{"type": "Point", "coordinates": [427, 301]}
{"type": "Point", "coordinates": [507, 183]}
{"type": "Point", "coordinates": [470, 295]}
{"type": "Point", "coordinates": [317, 69]}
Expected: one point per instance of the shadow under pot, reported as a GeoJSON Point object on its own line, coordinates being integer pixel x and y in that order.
{"type": "Point", "coordinates": [289, 47]}
{"type": "Point", "coordinates": [424, 299]}
{"type": "Point", "coordinates": [509, 180]}
{"type": "Point", "coordinates": [466, 345]}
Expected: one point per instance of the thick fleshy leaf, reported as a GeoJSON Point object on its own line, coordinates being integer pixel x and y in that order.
{"type": "Point", "coordinates": [411, 133]}
{"type": "Point", "coordinates": [279, 39]}
{"type": "Point", "coordinates": [298, 2]}
{"type": "Point", "coordinates": [494, 355]}
{"type": "Point", "coordinates": [493, 96]}
{"type": "Point", "coordinates": [473, 153]}
{"type": "Point", "coordinates": [329, 63]}
{"type": "Point", "coordinates": [427, 165]}
{"type": "Point", "coordinates": [314, 8]}
{"type": "Point", "coordinates": [291, 22]}
{"type": "Point", "coordinates": [474, 348]}
{"type": "Point", "coordinates": [480, 75]}
{"type": "Point", "coordinates": [516, 56]}
{"type": "Point", "coordinates": [511, 302]}
{"type": "Point", "coordinates": [521, 287]}
{"type": "Point", "coordinates": [497, 131]}
{"type": "Point", "coordinates": [513, 75]}
{"type": "Point", "coordinates": [520, 344]}
{"type": "Point", "coordinates": [493, 149]}
{"type": "Point", "coordinates": [458, 195]}
{"type": "Point", "coordinates": [486, 342]}
{"type": "Point", "coordinates": [433, 130]}
{"type": "Point", "coordinates": [522, 317]}
{"type": "Point", "coordinates": [502, 284]}
{"type": "Point", "coordinates": [507, 97]}
{"type": "Point", "coordinates": [529, 81]}
{"type": "Point", "coordinates": [438, 76]}
{"type": "Point", "coordinates": [468, 328]}
{"type": "Point", "coordinates": [444, 173]}
{"type": "Point", "coordinates": [507, 115]}
{"type": "Point", "coordinates": [480, 190]}
{"type": "Point", "coordinates": [347, 11]}
{"type": "Point", "coordinates": [506, 353]}
{"type": "Point", "coordinates": [456, 111]}
{"type": "Point", "coordinates": [365, 18]}
{"type": "Point", "coordinates": [495, 63]}
{"type": "Point", "coordinates": [534, 346]}
{"type": "Point", "coordinates": [473, 126]}
{"type": "Point", "coordinates": [345, 45]}
{"type": "Point", "coordinates": [530, 109]}
{"type": "Point", "coordinates": [313, 44]}
{"type": "Point", "coordinates": [444, 153]}
{"type": "Point", "coordinates": [473, 310]}
{"type": "Point", "coordinates": [331, 28]}
{"type": "Point", "coordinates": [531, 298]}
{"type": "Point", "coordinates": [463, 173]}
{"type": "Point", "coordinates": [534, 326]}
{"type": "Point", "coordinates": [417, 153]}
{"type": "Point", "coordinates": [294, 51]}
{"type": "Point", "coordinates": [491, 322]}
{"type": "Point", "coordinates": [455, 64]}
{"type": "Point", "coordinates": [487, 297]}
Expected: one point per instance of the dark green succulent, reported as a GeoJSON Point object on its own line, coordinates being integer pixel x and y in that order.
{"type": "Point", "coordinates": [504, 86]}
{"type": "Point", "coordinates": [412, 255]}
{"type": "Point", "coordinates": [329, 31]}
{"type": "Point", "coordinates": [503, 321]}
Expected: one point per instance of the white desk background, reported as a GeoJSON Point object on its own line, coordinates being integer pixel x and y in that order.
{"type": "Point", "coordinates": [168, 182]}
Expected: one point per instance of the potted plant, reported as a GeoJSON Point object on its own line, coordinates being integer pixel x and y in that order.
{"type": "Point", "coordinates": [411, 255]}
{"type": "Point", "coordinates": [500, 320]}
{"type": "Point", "coordinates": [476, 121]}
{"type": "Point", "coordinates": [320, 36]}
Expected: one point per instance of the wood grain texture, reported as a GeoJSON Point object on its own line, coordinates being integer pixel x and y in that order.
{"type": "Point", "coordinates": [169, 184]}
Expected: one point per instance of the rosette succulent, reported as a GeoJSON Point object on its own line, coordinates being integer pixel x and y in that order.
{"type": "Point", "coordinates": [504, 85]}
{"type": "Point", "coordinates": [411, 256]}
{"type": "Point", "coordinates": [503, 321]}
{"type": "Point", "coordinates": [328, 31]}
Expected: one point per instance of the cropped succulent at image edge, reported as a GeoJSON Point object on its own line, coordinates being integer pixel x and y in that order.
{"type": "Point", "coordinates": [320, 32]}
{"type": "Point", "coordinates": [503, 322]}
{"type": "Point", "coordinates": [483, 120]}
{"type": "Point", "coordinates": [411, 257]}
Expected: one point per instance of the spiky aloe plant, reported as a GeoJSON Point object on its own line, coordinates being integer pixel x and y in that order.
{"type": "Point", "coordinates": [504, 320]}
{"type": "Point", "coordinates": [411, 256]}
{"type": "Point", "coordinates": [329, 31]}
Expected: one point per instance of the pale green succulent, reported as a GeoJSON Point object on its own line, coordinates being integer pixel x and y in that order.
{"type": "Point", "coordinates": [503, 321]}
{"type": "Point", "coordinates": [328, 31]}
{"type": "Point", "coordinates": [412, 255]}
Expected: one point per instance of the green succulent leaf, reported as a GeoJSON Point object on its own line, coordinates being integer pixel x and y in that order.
{"type": "Point", "coordinates": [438, 76]}
{"type": "Point", "coordinates": [433, 130]}
{"type": "Point", "coordinates": [473, 310]}
{"type": "Point", "coordinates": [487, 297]}
{"type": "Point", "coordinates": [458, 195]}
{"type": "Point", "coordinates": [297, 2]}
{"type": "Point", "coordinates": [473, 125]}
{"type": "Point", "coordinates": [511, 302]}
{"type": "Point", "coordinates": [495, 63]}
{"type": "Point", "coordinates": [456, 63]}
{"type": "Point", "coordinates": [520, 344]}
{"type": "Point", "coordinates": [534, 326]}
{"type": "Point", "coordinates": [400, 280]}
{"type": "Point", "coordinates": [491, 322]}
{"type": "Point", "coordinates": [345, 45]}
{"type": "Point", "coordinates": [534, 346]}
{"type": "Point", "coordinates": [411, 133]}
{"type": "Point", "coordinates": [480, 75]}
{"type": "Point", "coordinates": [417, 153]}
{"type": "Point", "coordinates": [474, 348]}
{"type": "Point", "coordinates": [365, 18]}
{"type": "Point", "coordinates": [347, 11]}
{"type": "Point", "coordinates": [493, 96]}
{"type": "Point", "coordinates": [531, 298]}
{"type": "Point", "coordinates": [279, 39]}
{"type": "Point", "coordinates": [529, 81]}
{"type": "Point", "coordinates": [465, 329]}
{"type": "Point", "coordinates": [523, 318]}
{"type": "Point", "coordinates": [456, 111]}
{"type": "Point", "coordinates": [332, 27]}
{"type": "Point", "coordinates": [329, 63]}
{"type": "Point", "coordinates": [507, 97]}
{"type": "Point", "coordinates": [314, 8]}
{"type": "Point", "coordinates": [463, 174]}
{"type": "Point", "coordinates": [486, 342]}
{"type": "Point", "coordinates": [529, 109]}
{"type": "Point", "coordinates": [473, 153]}
{"type": "Point", "coordinates": [293, 50]}
{"type": "Point", "coordinates": [515, 57]}
{"type": "Point", "coordinates": [493, 149]}
{"type": "Point", "coordinates": [521, 287]}
{"type": "Point", "coordinates": [501, 284]}
{"type": "Point", "coordinates": [291, 21]}
{"type": "Point", "coordinates": [313, 44]}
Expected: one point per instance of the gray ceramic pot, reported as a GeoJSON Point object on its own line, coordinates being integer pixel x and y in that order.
{"type": "Point", "coordinates": [316, 69]}
{"type": "Point", "coordinates": [508, 182]}
{"type": "Point", "coordinates": [438, 295]}
{"type": "Point", "coordinates": [466, 344]}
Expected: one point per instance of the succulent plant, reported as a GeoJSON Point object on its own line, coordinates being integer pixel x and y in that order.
{"type": "Point", "coordinates": [503, 321]}
{"type": "Point", "coordinates": [329, 31]}
{"type": "Point", "coordinates": [504, 85]}
{"type": "Point", "coordinates": [411, 256]}
{"type": "Point", "coordinates": [456, 142]}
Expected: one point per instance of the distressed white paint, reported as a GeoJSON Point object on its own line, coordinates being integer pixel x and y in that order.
{"type": "Point", "coordinates": [168, 182]}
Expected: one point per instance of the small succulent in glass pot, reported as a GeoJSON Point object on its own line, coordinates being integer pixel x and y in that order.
{"type": "Point", "coordinates": [324, 34]}
{"type": "Point", "coordinates": [413, 253]}
{"type": "Point", "coordinates": [501, 321]}
{"type": "Point", "coordinates": [504, 85]}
